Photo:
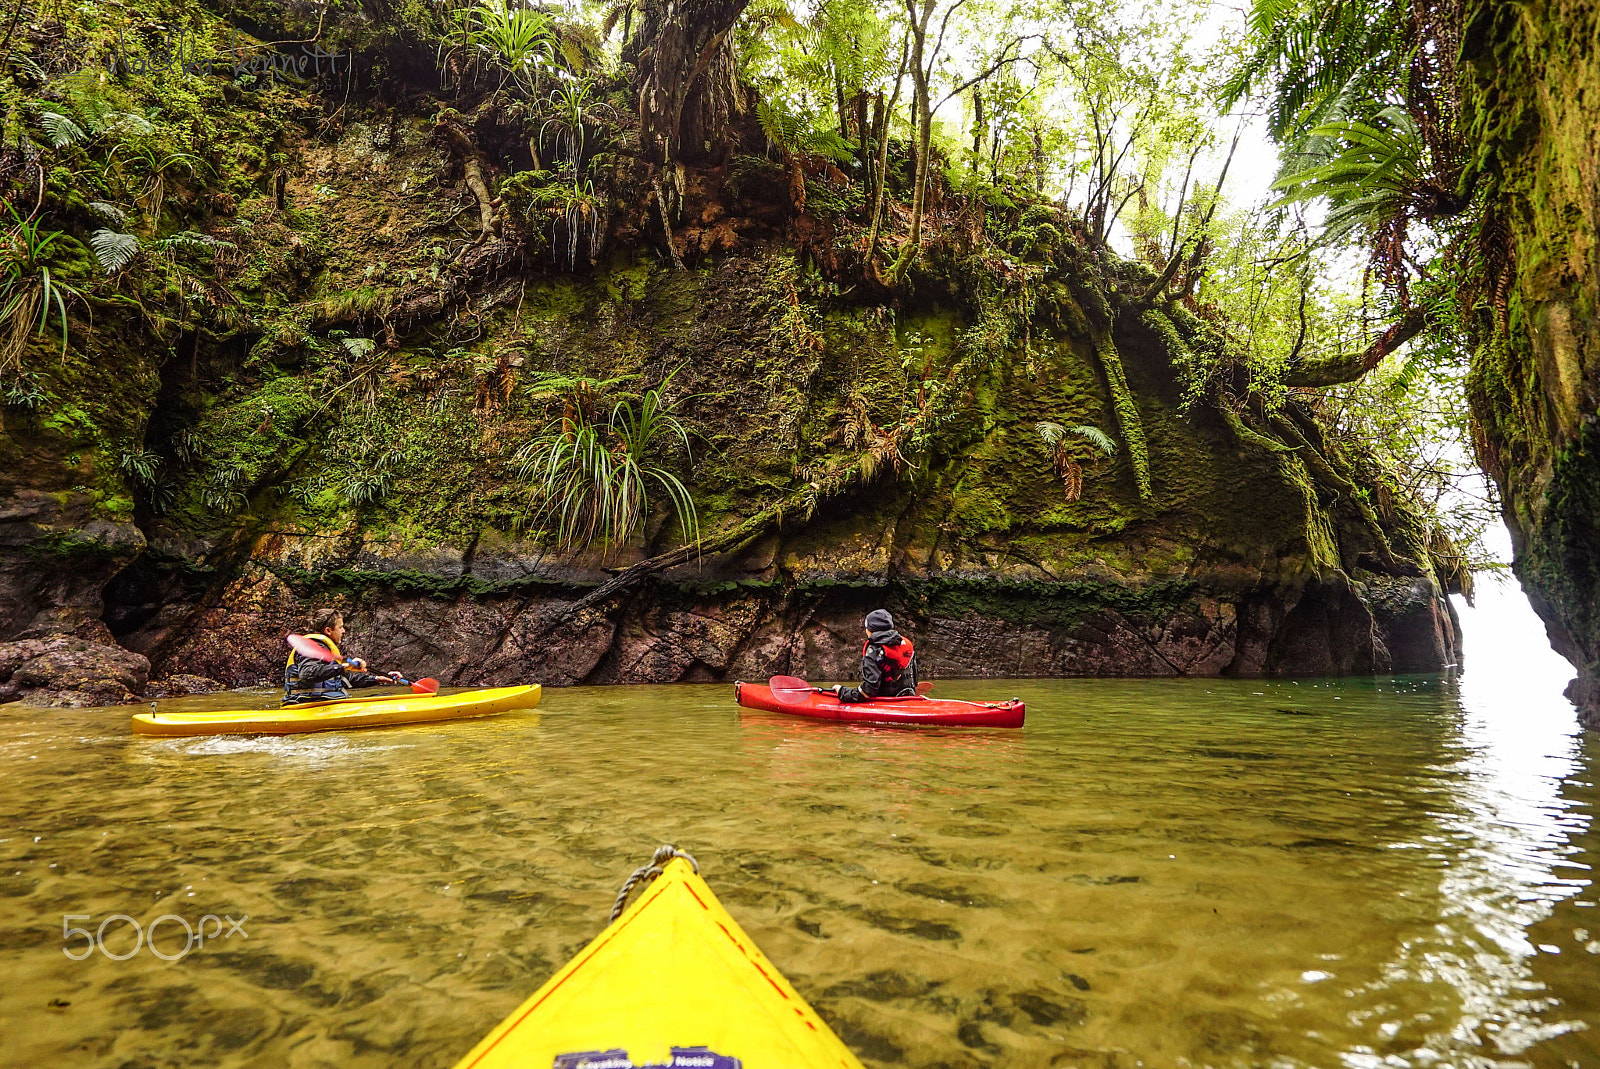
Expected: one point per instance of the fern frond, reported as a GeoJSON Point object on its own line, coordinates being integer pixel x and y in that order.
{"type": "Point", "coordinates": [615, 14]}
{"type": "Point", "coordinates": [1095, 437]}
{"type": "Point", "coordinates": [114, 251]}
{"type": "Point", "coordinates": [123, 124]}
{"type": "Point", "coordinates": [1378, 166]}
{"type": "Point", "coordinates": [1407, 376]}
{"type": "Point", "coordinates": [62, 131]}
{"type": "Point", "coordinates": [1055, 436]}
{"type": "Point", "coordinates": [831, 144]}
{"type": "Point", "coordinates": [358, 347]}
{"type": "Point", "coordinates": [110, 211]}
{"type": "Point", "coordinates": [191, 239]}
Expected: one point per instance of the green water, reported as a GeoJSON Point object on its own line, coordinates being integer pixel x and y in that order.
{"type": "Point", "coordinates": [1155, 873]}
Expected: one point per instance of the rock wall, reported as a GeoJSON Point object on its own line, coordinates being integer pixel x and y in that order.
{"type": "Point", "coordinates": [1238, 561]}
{"type": "Point", "coordinates": [1535, 118]}
{"type": "Point", "coordinates": [329, 411]}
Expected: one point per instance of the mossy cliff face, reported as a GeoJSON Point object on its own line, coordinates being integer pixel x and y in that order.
{"type": "Point", "coordinates": [1535, 116]}
{"type": "Point", "coordinates": [330, 415]}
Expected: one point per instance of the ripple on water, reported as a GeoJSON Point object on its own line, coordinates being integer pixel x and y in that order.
{"type": "Point", "coordinates": [1159, 872]}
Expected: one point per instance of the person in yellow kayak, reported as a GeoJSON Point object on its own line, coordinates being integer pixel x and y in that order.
{"type": "Point", "coordinates": [306, 679]}
{"type": "Point", "coordinates": [888, 662]}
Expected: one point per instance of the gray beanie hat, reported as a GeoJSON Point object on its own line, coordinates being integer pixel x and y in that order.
{"type": "Point", "coordinates": [880, 620]}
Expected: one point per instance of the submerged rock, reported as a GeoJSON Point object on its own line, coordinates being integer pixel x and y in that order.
{"type": "Point", "coordinates": [180, 684]}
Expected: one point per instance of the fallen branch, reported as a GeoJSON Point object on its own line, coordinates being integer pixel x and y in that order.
{"type": "Point", "coordinates": [725, 542]}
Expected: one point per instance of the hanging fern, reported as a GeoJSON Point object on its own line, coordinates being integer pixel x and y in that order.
{"type": "Point", "coordinates": [114, 251]}
{"type": "Point", "coordinates": [1059, 441]}
{"type": "Point", "coordinates": [1055, 434]}
{"type": "Point", "coordinates": [110, 211]}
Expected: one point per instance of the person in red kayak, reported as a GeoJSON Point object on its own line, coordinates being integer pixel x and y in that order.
{"type": "Point", "coordinates": [306, 679]}
{"type": "Point", "coordinates": [888, 662]}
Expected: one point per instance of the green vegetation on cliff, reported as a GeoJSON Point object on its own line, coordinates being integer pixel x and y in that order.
{"type": "Point", "coordinates": [1475, 196]}
{"type": "Point", "coordinates": [389, 312]}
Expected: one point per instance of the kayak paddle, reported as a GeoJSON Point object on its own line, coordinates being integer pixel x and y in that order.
{"type": "Point", "coordinates": [796, 685]}
{"type": "Point", "coordinates": [310, 647]}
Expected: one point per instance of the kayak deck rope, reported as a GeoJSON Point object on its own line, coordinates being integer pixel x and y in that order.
{"type": "Point", "coordinates": [645, 873]}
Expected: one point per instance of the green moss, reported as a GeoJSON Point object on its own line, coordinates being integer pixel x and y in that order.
{"type": "Point", "coordinates": [1129, 426]}
{"type": "Point", "coordinates": [979, 510]}
{"type": "Point", "coordinates": [924, 403]}
{"type": "Point", "coordinates": [1052, 605]}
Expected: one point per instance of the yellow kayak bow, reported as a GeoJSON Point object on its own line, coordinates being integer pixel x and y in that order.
{"type": "Point", "coordinates": [675, 982]}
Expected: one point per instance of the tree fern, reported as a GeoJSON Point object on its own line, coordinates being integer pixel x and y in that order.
{"type": "Point", "coordinates": [1369, 179]}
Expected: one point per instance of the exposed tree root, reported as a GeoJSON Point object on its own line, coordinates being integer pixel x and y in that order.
{"type": "Point", "coordinates": [725, 542]}
{"type": "Point", "coordinates": [666, 227]}
{"type": "Point", "coordinates": [1323, 470]}
{"type": "Point", "coordinates": [462, 148]}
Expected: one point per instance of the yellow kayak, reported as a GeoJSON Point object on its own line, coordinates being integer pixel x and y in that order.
{"type": "Point", "coordinates": [674, 981]}
{"type": "Point", "coordinates": [338, 716]}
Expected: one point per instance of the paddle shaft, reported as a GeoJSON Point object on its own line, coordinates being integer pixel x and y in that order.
{"type": "Point", "coordinates": [796, 685]}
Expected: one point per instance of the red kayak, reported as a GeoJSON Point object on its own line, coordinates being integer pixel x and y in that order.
{"type": "Point", "coordinates": [913, 709]}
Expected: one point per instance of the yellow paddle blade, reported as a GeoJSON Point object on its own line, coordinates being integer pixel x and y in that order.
{"type": "Point", "coordinates": [673, 982]}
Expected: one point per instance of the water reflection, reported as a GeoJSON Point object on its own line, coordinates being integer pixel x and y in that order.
{"type": "Point", "coordinates": [1166, 873]}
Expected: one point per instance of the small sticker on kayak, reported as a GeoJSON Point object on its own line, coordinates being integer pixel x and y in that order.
{"type": "Point", "coordinates": [680, 1058]}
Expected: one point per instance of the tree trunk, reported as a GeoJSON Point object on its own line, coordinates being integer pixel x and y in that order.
{"type": "Point", "coordinates": [922, 108]}
{"type": "Point", "coordinates": [685, 77]}
{"type": "Point", "coordinates": [977, 126]}
{"type": "Point", "coordinates": [885, 116]}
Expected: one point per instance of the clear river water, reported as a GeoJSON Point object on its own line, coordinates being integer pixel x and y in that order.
{"type": "Point", "coordinates": [1184, 873]}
